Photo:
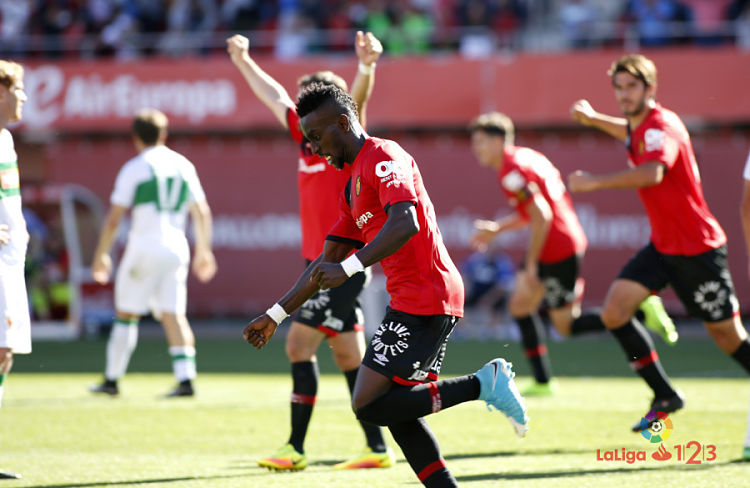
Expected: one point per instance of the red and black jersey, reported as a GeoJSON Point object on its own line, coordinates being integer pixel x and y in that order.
{"type": "Point", "coordinates": [525, 171]}
{"type": "Point", "coordinates": [681, 223]}
{"type": "Point", "coordinates": [420, 277]}
{"type": "Point", "coordinates": [319, 185]}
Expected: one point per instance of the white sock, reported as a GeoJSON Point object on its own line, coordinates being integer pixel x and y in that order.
{"type": "Point", "coordinates": [122, 341]}
{"type": "Point", "coordinates": [183, 362]}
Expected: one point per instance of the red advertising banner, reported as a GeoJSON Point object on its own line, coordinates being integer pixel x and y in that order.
{"type": "Point", "coordinates": [209, 94]}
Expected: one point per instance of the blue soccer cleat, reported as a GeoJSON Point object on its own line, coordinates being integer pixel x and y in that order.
{"type": "Point", "coordinates": [498, 389]}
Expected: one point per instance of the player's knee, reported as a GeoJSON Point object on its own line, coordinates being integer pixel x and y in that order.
{"type": "Point", "coordinates": [347, 360]}
{"type": "Point", "coordinates": [370, 413]}
{"type": "Point", "coordinates": [6, 356]}
{"type": "Point", "coordinates": [613, 316]}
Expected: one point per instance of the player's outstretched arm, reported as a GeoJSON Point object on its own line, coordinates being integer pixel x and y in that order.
{"type": "Point", "coordinates": [487, 230]}
{"type": "Point", "coordinates": [260, 330]}
{"type": "Point", "coordinates": [101, 265]}
{"type": "Point", "coordinates": [368, 49]}
{"type": "Point", "coordinates": [268, 90]}
{"type": "Point", "coordinates": [583, 113]}
{"type": "Point", "coordinates": [647, 174]}
{"type": "Point", "coordinates": [204, 262]}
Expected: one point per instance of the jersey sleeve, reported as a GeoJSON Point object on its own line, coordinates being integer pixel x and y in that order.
{"type": "Point", "coordinates": [392, 174]}
{"type": "Point", "coordinates": [195, 189]}
{"type": "Point", "coordinates": [746, 172]}
{"type": "Point", "coordinates": [516, 186]}
{"type": "Point", "coordinates": [292, 121]}
{"type": "Point", "coordinates": [125, 187]}
{"type": "Point", "coordinates": [345, 229]}
{"type": "Point", "coordinates": [659, 145]}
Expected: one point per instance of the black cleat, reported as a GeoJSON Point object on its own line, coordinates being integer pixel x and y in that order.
{"type": "Point", "coordinates": [183, 389]}
{"type": "Point", "coordinates": [7, 475]}
{"type": "Point", "coordinates": [108, 387]}
{"type": "Point", "coordinates": [666, 405]}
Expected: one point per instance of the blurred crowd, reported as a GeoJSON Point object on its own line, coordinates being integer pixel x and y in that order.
{"type": "Point", "coordinates": [290, 28]}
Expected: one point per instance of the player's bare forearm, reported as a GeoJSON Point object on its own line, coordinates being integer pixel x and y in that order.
{"type": "Point", "coordinates": [540, 215]}
{"type": "Point", "coordinates": [398, 229]}
{"type": "Point", "coordinates": [648, 174]}
{"type": "Point", "coordinates": [368, 49]}
{"type": "Point", "coordinates": [583, 113]}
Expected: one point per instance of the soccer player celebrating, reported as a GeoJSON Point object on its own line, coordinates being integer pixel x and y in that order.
{"type": "Point", "coordinates": [333, 314]}
{"type": "Point", "coordinates": [386, 213]}
{"type": "Point", "coordinates": [687, 247]}
{"type": "Point", "coordinates": [556, 246]}
{"type": "Point", "coordinates": [15, 328]}
{"type": "Point", "coordinates": [161, 186]}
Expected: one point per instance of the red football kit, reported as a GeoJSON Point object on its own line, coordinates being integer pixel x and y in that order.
{"type": "Point", "coordinates": [524, 168]}
{"type": "Point", "coordinates": [420, 277]}
{"type": "Point", "coordinates": [319, 185]}
{"type": "Point", "coordinates": [681, 223]}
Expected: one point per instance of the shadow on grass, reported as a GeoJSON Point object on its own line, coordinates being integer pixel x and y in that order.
{"type": "Point", "coordinates": [525, 452]}
{"type": "Point", "coordinates": [91, 484]}
{"type": "Point", "coordinates": [582, 472]}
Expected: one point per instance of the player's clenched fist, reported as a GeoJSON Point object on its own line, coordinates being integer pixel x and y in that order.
{"type": "Point", "coordinates": [259, 331]}
{"type": "Point", "coordinates": [582, 112]}
{"type": "Point", "coordinates": [367, 47]}
{"type": "Point", "coordinates": [328, 275]}
{"type": "Point", "coordinates": [237, 47]}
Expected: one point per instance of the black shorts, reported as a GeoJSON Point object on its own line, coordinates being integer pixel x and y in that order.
{"type": "Point", "coordinates": [336, 309]}
{"type": "Point", "coordinates": [409, 349]}
{"type": "Point", "coordinates": [560, 281]}
{"type": "Point", "coordinates": [702, 283]}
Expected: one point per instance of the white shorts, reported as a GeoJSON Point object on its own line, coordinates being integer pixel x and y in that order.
{"type": "Point", "coordinates": [152, 277]}
{"type": "Point", "coordinates": [15, 323]}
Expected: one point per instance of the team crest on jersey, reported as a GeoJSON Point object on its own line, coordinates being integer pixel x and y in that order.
{"type": "Point", "coordinates": [513, 181]}
{"type": "Point", "coordinates": [357, 186]}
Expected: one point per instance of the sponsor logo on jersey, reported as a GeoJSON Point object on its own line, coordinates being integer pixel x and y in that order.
{"type": "Point", "coordinates": [390, 339]}
{"type": "Point", "coordinates": [513, 181]}
{"type": "Point", "coordinates": [363, 219]}
{"type": "Point", "coordinates": [654, 139]}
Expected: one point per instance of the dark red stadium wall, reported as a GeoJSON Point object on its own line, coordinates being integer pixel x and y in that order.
{"type": "Point", "coordinates": [250, 180]}
{"type": "Point", "coordinates": [251, 186]}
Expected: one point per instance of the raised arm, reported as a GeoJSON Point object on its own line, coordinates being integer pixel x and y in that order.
{"type": "Point", "coordinates": [647, 174]}
{"type": "Point", "coordinates": [368, 49]}
{"type": "Point", "coordinates": [101, 265]}
{"type": "Point", "coordinates": [268, 90]}
{"type": "Point", "coordinates": [204, 262]}
{"type": "Point", "coordinates": [260, 330]}
{"type": "Point", "coordinates": [582, 112]}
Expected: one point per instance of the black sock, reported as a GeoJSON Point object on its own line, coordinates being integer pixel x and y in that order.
{"type": "Point", "coordinates": [643, 357]}
{"type": "Point", "coordinates": [639, 315]}
{"type": "Point", "coordinates": [373, 433]}
{"type": "Point", "coordinates": [742, 354]}
{"type": "Point", "coordinates": [305, 388]}
{"type": "Point", "coordinates": [589, 321]}
{"type": "Point", "coordinates": [422, 452]}
{"type": "Point", "coordinates": [404, 403]}
{"type": "Point", "coordinates": [532, 338]}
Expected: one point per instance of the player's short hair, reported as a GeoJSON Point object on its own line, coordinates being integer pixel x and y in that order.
{"type": "Point", "coordinates": [326, 77]}
{"type": "Point", "coordinates": [637, 65]}
{"type": "Point", "coordinates": [10, 73]}
{"type": "Point", "coordinates": [495, 123]}
{"type": "Point", "coordinates": [317, 94]}
{"type": "Point", "coordinates": [149, 124]}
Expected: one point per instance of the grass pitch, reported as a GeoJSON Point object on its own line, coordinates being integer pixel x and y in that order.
{"type": "Point", "coordinates": [58, 435]}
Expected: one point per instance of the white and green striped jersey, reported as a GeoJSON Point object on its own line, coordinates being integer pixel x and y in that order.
{"type": "Point", "coordinates": [159, 185]}
{"type": "Point", "coordinates": [10, 203]}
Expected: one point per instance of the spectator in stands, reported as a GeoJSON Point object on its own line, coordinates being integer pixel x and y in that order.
{"type": "Point", "coordinates": [578, 19]}
{"type": "Point", "coordinates": [15, 16]}
{"type": "Point", "coordinates": [190, 24]}
{"type": "Point", "coordinates": [709, 18]}
{"type": "Point", "coordinates": [657, 22]}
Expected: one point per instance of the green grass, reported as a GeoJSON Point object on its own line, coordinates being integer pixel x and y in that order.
{"type": "Point", "coordinates": [57, 435]}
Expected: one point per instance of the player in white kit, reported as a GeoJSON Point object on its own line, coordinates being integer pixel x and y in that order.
{"type": "Point", "coordinates": [161, 187]}
{"type": "Point", "coordinates": [15, 327]}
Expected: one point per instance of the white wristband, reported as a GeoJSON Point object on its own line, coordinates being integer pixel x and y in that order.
{"type": "Point", "coordinates": [352, 265]}
{"type": "Point", "coordinates": [277, 313]}
{"type": "Point", "coordinates": [365, 69]}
